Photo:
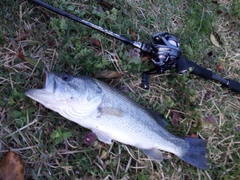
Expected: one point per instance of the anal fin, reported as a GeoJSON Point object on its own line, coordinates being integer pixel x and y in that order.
{"type": "Point", "coordinates": [153, 153]}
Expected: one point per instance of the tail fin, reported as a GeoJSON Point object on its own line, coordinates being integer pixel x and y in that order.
{"type": "Point", "coordinates": [196, 153]}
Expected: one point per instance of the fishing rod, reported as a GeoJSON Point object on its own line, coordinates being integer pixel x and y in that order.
{"type": "Point", "coordinates": [164, 49]}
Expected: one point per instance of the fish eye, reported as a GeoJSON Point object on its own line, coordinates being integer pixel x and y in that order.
{"type": "Point", "coordinates": [66, 77]}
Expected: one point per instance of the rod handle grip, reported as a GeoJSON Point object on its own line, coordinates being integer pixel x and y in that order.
{"type": "Point", "coordinates": [184, 65]}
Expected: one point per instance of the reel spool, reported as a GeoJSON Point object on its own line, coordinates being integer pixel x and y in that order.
{"type": "Point", "coordinates": [165, 51]}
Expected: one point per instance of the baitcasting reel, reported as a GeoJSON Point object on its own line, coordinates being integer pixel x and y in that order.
{"type": "Point", "coordinates": [164, 50]}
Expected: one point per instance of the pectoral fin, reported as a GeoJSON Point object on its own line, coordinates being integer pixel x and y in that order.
{"type": "Point", "coordinates": [111, 111]}
{"type": "Point", "coordinates": [153, 153]}
{"type": "Point", "coordinates": [103, 136]}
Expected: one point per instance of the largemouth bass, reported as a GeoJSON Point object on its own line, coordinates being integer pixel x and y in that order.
{"type": "Point", "coordinates": [111, 115]}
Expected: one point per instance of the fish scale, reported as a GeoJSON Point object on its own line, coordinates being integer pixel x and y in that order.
{"type": "Point", "coordinates": [131, 111]}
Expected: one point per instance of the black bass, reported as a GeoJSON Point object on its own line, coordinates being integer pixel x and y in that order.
{"type": "Point", "coordinates": [111, 115]}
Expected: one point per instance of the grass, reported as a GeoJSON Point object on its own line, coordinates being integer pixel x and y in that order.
{"type": "Point", "coordinates": [52, 147]}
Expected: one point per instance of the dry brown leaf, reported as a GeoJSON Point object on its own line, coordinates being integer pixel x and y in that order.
{"type": "Point", "coordinates": [193, 136]}
{"type": "Point", "coordinates": [219, 68]}
{"type": "Point", "coordinates": [12, 167]}
{"type": "Point", "coordinates": [108, 74]}
{"type": "Point", "coordinates": [175, 117]}
{"type": "Point", "coordinates": [146, 58]}
{"type": "Point", "coordinates": [21, 37]}
{"type": "Point", "coordinates": [21, 55]}
{"type": "Point", "coordinates": [132, 32]}
{"type": "Point", "coordinates": [92, 41]}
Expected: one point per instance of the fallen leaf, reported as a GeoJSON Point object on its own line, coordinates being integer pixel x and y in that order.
{"type": "Point", "coordinates": [108, 74]}
{"type": "Point", "coordinates": [22, 36]}
{"type": "Point", "coordinates": [193, 136]}
{"type": "Point", "coordinates": [219, 68]}
{"type": "Point", "coordinates": [89, 138]}
{"type": "Point", "coordinates": [175, 117]}
{"type": "Point", "coordinates": [104, 154]}
{"type": "Point", "coordinates": [132, 32]}
{"type": "Point", "coordinates": [12, 167]}
{"type": "Point", "coordinates": [215, 39]}
{"type": "Point", "coordinates": [92, 41]}
{"type": "Point", "coordinates": [146, 58]}
{"type": "Point", "coordinates": [21, 55]}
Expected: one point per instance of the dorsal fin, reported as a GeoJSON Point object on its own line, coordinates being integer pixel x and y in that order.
{"type": "Point", "coordinates": [160, 119]}
{"type": "Point", "coordinates": [157, 117]}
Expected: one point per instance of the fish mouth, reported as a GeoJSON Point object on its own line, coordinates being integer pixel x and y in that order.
{"type": "Point", "coordinates": [47, 89]}
{"type": "Point", "coordinates": [48, 81]}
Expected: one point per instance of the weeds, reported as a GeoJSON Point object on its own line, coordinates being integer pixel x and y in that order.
{"type": "Point", "coordinates": [33, 39]}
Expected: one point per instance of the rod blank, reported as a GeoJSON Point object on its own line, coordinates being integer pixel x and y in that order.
{"type": "Point", "coordinates": [139, 45]}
